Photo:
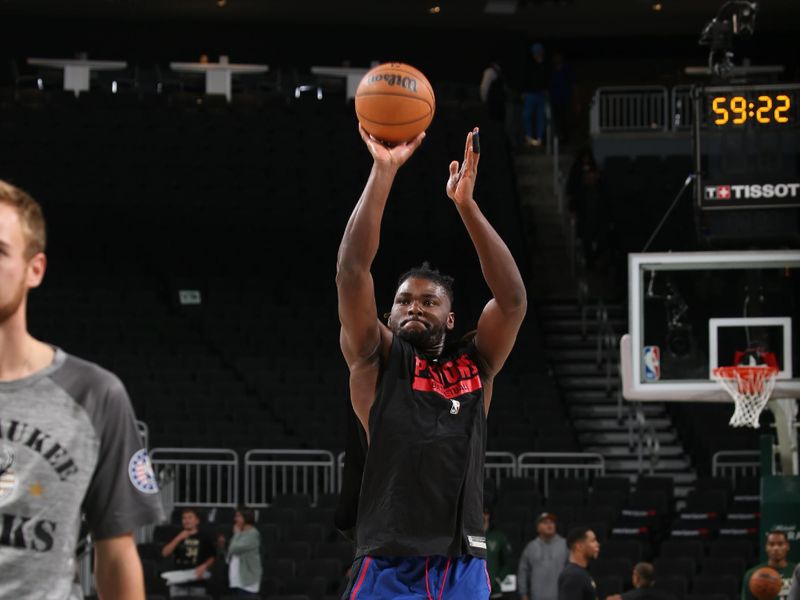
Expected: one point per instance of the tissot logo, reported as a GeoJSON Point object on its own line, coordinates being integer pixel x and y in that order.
{"type": "Point", "coordinates": [754, 191]}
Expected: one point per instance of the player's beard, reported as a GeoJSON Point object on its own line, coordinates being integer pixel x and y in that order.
{"type": "Point", "coordinates": [422, 339]}
{"type": "Point", "coordinates": [10, 308]}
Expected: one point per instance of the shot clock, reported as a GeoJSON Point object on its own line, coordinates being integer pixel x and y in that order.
{"type": "Point", "coordinates": [747, 146]}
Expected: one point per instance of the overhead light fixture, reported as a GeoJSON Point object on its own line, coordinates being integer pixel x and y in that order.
{"type": "Point", "coordinates": [222, 3]}
{"type": "Point", "coordinates": [435, 9]}
{"type": "Point", "coordinates": [657, 6]}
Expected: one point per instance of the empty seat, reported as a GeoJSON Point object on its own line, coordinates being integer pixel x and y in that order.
{"type": "Point", "coordinates": [674, 584]}
{"type": "Point", "coordinates": [299, 550]}
{"type": "Point", "coordinates": [685, 567]}
{"type": "Point", "coordinates": [279, 568]}
{"type": "Point", "coordinates": [564, 484]}
{"type": "Point", "coordinates": [611, 484]}
{"type": "Point", "coordinates": [716, 584]}
{"type": "Point", "coordinates": [609, 585]}
{"type": "Point", "coordinates": [328, 568]}
{"type": "Point", "coordinates": [723, 484]}
{"type": "Point", "coordinates": [616, 567]}
{"type": "Point", "coordinates": [571, 498]}
{"type": "Point", "coordinates": [342, 551]}
{"type": "Point", "coordinates": [656, 483]}
{"type": "Point", "coordinates": [709, 501]}
{"type": "Point", "coordinates": [292, 501]}
{"type": "Point", "coordinates": [732, 549]}
{"type": "Point", "coordinates": [693, 549]}
{"type": "Point", "coordinates": [656, 500]}
{"type": "Point", "coordinates": [303, 532]}
{"type": "Point", "coordinates": [630, 549]}
{"type": "Point", "coordinates": [277, 515]}
{"type": "Point", "coordinates": [715, 565]}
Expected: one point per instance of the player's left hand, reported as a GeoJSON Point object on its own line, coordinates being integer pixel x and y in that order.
{"type": "Point", "coordinates": [200, 571]}
{"type": "Point", "coordinates": [461, 183]}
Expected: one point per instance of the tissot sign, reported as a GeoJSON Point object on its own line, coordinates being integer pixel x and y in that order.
{"type": "Point", "coordinates": [756, 195]}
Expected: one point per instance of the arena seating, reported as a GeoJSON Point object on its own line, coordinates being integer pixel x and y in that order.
{"type": "Point", "coordinates": [145, 201]}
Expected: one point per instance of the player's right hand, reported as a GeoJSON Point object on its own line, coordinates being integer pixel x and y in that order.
{"type": "Point", "coordinates": [395, 156]}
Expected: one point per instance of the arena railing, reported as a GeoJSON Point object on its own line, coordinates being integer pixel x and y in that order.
{"type": "Point", "coordinates": [544, 466]}
{"type": "Point", "coordinates": [500, 465]}
{"type": "Point", "coordinates": [200, 476]}
{"type": "Point", "coordinates": [735, 463]}
{"type": "Point", "coordinates": [630, 109]}
{"type": "Point", "coordinates": [682, 108]}
{"type": "Point", "coordinates": [497, 466]}
{"type": "Point", "coordinates": [270, 472]}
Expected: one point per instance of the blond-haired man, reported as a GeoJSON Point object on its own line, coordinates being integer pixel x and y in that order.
{"type": "Point", "coordinates": [69, 447]}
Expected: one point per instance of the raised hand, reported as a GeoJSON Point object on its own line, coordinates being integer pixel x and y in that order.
{"type": "Point", "coordinates": [394, 156]}
{"type": "Point", "coordinates": [461, 183]}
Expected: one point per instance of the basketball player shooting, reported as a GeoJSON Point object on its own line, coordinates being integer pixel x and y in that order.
{"type": "Point", "coordinates": [422, 402]}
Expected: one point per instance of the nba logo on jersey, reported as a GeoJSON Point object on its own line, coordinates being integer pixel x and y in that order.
{"type": "Point", "coordinates": [455, 407]}
{"type": "Point", "coordinates": [652, 363]}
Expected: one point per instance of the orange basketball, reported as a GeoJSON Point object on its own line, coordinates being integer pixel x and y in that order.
{"type": "Point", "coordinates": [765, 583]}
{"type": "Point", "coordinates": [394, 102]}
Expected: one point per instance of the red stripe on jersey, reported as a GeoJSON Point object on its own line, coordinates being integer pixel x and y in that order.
{"type": "Point", "coordinates": [465, 386]}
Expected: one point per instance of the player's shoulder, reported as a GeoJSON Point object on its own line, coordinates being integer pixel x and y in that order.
{"type": "Point", "coordinates": [83, 378]}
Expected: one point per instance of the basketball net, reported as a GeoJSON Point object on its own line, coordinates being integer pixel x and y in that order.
{"type": "Point", "coordinates": [750, 387]}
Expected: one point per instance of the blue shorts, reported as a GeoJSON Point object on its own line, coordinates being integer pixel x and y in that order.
{"type": "Point", "coordinates": [418, 578]}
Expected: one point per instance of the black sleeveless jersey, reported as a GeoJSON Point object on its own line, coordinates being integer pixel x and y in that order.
{"type": "Point", "coordinates": [422, 486]}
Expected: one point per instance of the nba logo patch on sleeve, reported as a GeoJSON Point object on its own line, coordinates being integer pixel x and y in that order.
{"type": "Point", "coordinates": [141, 473]}
{"type": "Point", "coordinates": [651, 356]}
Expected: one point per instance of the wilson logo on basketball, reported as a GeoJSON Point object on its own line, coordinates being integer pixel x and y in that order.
{"type": "Point", "coordinates": [450, 380]}
{"type": "Point", "coordinates": [408, 83]}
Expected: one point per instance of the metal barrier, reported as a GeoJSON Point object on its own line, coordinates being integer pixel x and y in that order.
{"type": "Point", "coordinates": [544, 466]}
{"type": "Point", "coordinates": [83, 552]}
{"type": "Point", "coordinates": [339, 470]}
{"type": "Point", "coordinates": [268, 473]}
{"type": "Point", "coordinates": [499, 465]}
{"type": "Point", "coordinates": [682, 108]}
{"type": "Point", "coordinates": [144, 433]}
{"type": "Point", "coordinates": [200, 476]}
{"type": "Point", "coordinates": [616, 109]}
{"type": "Point", "coordinates": [733, 463]}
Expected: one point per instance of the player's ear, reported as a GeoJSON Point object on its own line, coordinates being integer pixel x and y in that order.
{"type": "Point", "coordinates": [388, 317]}
{"type": "Point", "coordinates": [451, 320]}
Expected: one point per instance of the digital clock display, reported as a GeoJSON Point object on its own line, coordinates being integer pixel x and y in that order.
{"type": "Point", "coordinates": [772, 106]}
{"type": "Point", "coordinates": [747, 146]}
{"type": "Point", "coordinates": [739, 110]}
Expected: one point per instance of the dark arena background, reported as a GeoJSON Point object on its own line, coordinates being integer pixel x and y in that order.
{"type": "Point", "coordinates": [193, 239]}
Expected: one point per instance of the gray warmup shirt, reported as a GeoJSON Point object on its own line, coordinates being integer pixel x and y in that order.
{"type": "Point", "coordinates": [68, 446]}
{"type": "Point", "coordinates": [539, 567]}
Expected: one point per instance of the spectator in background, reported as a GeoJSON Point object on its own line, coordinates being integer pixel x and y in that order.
{"type": "Point", "coordinates": [777, 552]}
{"type": "Point", "coordinates": [643, 579]}
{"type": "Point", "coordinates": [498, 554]}
{"type": "Point", "coordinates": [493, 91]}
{"type": "Point", "coordinates": [587, 205]}
{"type": "Point", "coordinates": [191, 549]}
{"type": "Point", "coordinates": [575, 582]}
{"type": "Point", "coordinates": [535, 86]}
{"type": "Point", "coordinates": [542, 561]}
{"type": "Point", "coordinates": [244, 555]}
{"type": "Point", "coordinates": [561, 97]}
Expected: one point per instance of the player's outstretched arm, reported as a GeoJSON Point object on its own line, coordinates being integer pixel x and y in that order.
{"type": "Point", "coordinates": [501, 318]}
{"type": "Point", "coordinates": [362, 335]}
